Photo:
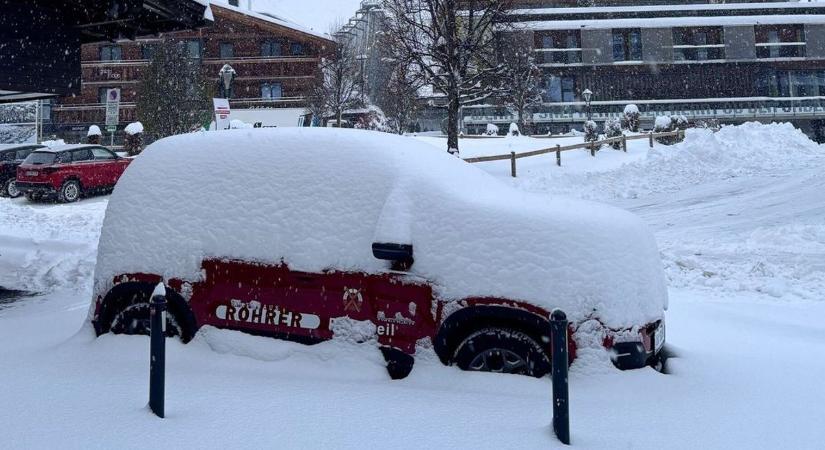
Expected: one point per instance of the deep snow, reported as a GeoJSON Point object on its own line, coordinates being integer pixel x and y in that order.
{"type": "Point", "coordinates": [748, 375]}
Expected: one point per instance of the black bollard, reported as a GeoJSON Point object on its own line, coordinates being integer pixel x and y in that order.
{"type": "Point", "coordinates": [561, 394]}
{"type": "Point", "coordinates": [157, 363]}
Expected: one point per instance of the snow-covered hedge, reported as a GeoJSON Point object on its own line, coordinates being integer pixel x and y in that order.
{"type": "Point", "coordinates": [318, 198]}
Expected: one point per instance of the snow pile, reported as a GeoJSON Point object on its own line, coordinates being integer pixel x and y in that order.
{"type": "Point", "coordinates": [631, 109]}
{"type": "Point", "coordinates": [94, 130]}
{"type": "Point", "coordinates": [54, 143]}
{"type": "Point", "coordinates": [319, 198]}
{"type": "Point", "coordinates": [236, 124]}
{"type": "Point", "coordinates": [704, 156]}
{"type": "Point", "coordinates": [134, 128]}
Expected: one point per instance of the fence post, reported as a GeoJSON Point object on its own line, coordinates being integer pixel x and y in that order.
{"type": "Point", "coordinates": [558, 155]}
{"type": "Point", "coordinates": [651, 139]}
{"type": "Point", "coordinates": [157, 362]}
{"type": "Point", "coordinates": [561, 392]}
{"type": "Point", "coordinates": [593, 149]}
{"type": "Point", "coordinates": [513, 164]}
{"type": "Point", "coordinates": [624, 143]}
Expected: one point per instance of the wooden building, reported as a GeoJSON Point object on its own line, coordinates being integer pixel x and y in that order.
{"type": "Point", "coordinates": [275, 63]}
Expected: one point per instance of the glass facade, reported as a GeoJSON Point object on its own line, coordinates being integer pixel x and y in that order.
{"type": "Point", "coordinates": [698, 43]}
{"type": "Point", "coordinates": [627, 45]}
{"type": "Point", "coordinates": [271, 91]}
{"type": "Point", "coordinates": [561, 89]}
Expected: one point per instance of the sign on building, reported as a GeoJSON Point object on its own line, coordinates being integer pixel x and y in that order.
{"type": "Point", "coordinates": [222, 113]}
{"type": "Point", "coordinates": [112, 108]}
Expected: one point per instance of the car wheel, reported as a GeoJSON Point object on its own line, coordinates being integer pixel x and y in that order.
{"type": "Point", "coordinates": [4, 188]}
{"type": "Point", "coordinates": [133, 319]}
{"type": "Point", "coordinates": [69, 192]}
{"type": "Point", "coordinates": [502, 350]}
{"type": "Point", "coordinates": [10, 189]}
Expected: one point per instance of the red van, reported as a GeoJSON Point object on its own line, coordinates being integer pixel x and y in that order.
{"type": "Point", "coordinates": [70, 171]}
{"type": "Point", "coordinates": [312, 234]}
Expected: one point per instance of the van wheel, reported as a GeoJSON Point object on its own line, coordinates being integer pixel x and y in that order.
{"type": "Point", "coordinates": [502, 350]}
{"type": "Point", "coordinates": [69, 192]}
{"type": "Point", "coordinates": [32, 197]}
{"type": "Point", "coordinates": [132, 317]}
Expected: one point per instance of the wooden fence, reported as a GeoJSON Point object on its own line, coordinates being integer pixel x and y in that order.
{"type": "Point", "coordinates": [558, 149]}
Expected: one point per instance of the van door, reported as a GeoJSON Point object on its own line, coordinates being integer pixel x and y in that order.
{"type": "Point", "coordinates": [402, 306]}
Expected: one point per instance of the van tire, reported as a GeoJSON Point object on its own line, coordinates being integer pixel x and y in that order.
{"type": "Point", "coordinates": [69, 192]}
{"type": "Point", "coordinates": [502, 350]}
{"type": "Point", "coordinates": [131, 316]}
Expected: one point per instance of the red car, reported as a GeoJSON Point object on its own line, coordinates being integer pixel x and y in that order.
{"type": "Point", "coordinates": [317, 234]}
{"type": "Point", "coordinates": [70, 171]}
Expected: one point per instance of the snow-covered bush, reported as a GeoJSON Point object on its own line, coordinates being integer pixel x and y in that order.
{"type": "Point", "coordinates": [631, 118]}
{"type": "Point", "coordinates": [492, 130]}
{"type": "Point", "coordinates": [514, 131]}
{"type": "Point", "coordinates": [591, 132]}
{"type": "Point", "coordinates": [133, 143]}
{"type": "Point", "coordinates": [665, 124]}
{"type": "Point", "coordinates": [94, 135]}
{"type": "Point", "coordinates": [612, 129]}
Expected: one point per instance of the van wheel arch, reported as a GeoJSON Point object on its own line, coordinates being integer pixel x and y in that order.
{"type": "Point", "coordinates": [123, 295]}
{"type": "Point", "coordinates": [72, 178]}
{"type": "Point", "coordinates": [463, 323]}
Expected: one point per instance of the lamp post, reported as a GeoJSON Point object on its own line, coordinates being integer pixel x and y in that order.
{"type": "Point", "coordinates": [226, 77]}
{"type": "Point", "coordinates": [588, 95]}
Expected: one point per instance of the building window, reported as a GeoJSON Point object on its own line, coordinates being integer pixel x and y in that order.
{"type": "Point", "coordinates": [560, 47]}
{"type": "Point", "coordinates": [102, 94]}
{"type": "Point", "coordinates": [194, 48]}
{"type": "Point", "coordinates": [271, 91]}
{"type": "Point", "coordinates": [111, 53]}
{"type": "Point", "coordinates": [561, 89]}
{"type": "Point", "coordinates": [780, 41]}
{"type": "Point", "coordinates": [271, 48]}
{"type": "Point", "coordinates": [627, 45]}
{"type": "Point", "coordinates": [227, 50]}
{"type": "Point", "coordinates": [698, 44]}
{"type": "Point", "coordinates": [147, 51]}
{"type": "Point", "coordinates": [297, 49]}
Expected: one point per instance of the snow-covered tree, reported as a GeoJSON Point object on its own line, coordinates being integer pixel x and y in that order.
{"type": "Point", "coordinates": [520, 84]}
{"type": "Point", "coordinates": [591, 131]}
{"type": "Point", "coordinates": [399, 99]}
{"type": "Point", "coordinates": [94, 135]}
{"type": "Point", "coordinates": [174, 97]}
{"type": "Point", "coordinates": [612, 129]}
{"type": "Point", "coordinates": [451, 44]}
{"type": "Point", "coordinates": [632, 118]}
{"type": "Point", "coordinates": [336, 87]}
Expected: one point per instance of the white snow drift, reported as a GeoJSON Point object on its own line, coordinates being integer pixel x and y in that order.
{"type": "Point", "coordinates": [319, 198]}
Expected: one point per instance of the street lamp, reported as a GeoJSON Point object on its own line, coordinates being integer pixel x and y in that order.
{"type": "Point", "coordinates": [225, 78]}
{"type": "Point", "coordinates": [588, 95]}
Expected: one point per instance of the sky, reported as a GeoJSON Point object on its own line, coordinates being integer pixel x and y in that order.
{"type": "Point", "coordinates": [318, 15]}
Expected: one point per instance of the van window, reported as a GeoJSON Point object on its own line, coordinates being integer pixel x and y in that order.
{"type": "Point", "coordinates": [22, 154]}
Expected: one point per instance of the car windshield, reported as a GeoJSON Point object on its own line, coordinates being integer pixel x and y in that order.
{"type": "Point", "coordinates": [38, 158]}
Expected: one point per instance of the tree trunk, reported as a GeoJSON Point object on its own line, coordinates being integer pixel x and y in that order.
{"type": "Point", "coordinates": [452, 123]}
{"type": "Point", "coordinates": [338, 115]}
{"type": "Point", "coordinates": [520, 120]}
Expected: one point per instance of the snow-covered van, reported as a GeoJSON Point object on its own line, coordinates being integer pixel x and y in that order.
{"type": "Point", "coordinates": [307, 234]}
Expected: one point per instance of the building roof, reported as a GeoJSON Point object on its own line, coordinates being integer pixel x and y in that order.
{"type": "Point", "coordinates": [273, 20]}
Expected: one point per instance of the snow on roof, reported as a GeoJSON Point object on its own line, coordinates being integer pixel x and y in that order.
{"type": "Point", "coordinates": [666, 22]}
{"type": "Point", "coordinates": [317, 198]}
{"type": "Point", "coordinates": [655, 8]}
{"type": "Point", "coordinates": [4, 147]}
{"type": "Point", "coordinates": [275, 19]}
{"type": "Point", "coordinates": [67, 147]}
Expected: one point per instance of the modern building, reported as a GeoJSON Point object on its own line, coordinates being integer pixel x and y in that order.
{"type": "Point", "coordinates": [275, 62]}
{"type": "Point", "coordinates": [730, 62]}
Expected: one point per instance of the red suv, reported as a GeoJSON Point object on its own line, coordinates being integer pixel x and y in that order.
{"type": "Point", "coordinates": [69, 171]}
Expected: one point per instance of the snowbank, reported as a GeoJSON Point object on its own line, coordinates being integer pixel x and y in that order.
{"type": "Point", "coordinates": [318, 198]}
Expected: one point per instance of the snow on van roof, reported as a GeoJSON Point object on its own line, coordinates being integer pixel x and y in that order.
{"type": "Point", "coordinates": [317, 199]}
{"type": "Point", "coordinates": [66, 148]}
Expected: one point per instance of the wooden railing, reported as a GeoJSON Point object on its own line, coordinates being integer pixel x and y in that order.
{"type": "Point", "coordinates": [558, 149]}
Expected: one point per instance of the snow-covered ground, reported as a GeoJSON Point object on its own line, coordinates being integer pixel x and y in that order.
{"type": "Point", "coordinates": [740, 219]}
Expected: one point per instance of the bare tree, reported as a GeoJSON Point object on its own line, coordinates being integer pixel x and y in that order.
{"type": "Point", "coordinates": [399, 97]}
{"type": "Point", "coordinates": [451, 44]}
{"type": "Point", "coordinates": [521, 80]}
{"type": "Point", "coordinates": [336, 85]}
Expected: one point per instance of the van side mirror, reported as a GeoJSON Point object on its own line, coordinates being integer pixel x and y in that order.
{"type": "Point", "coordinates": [401, 255]}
